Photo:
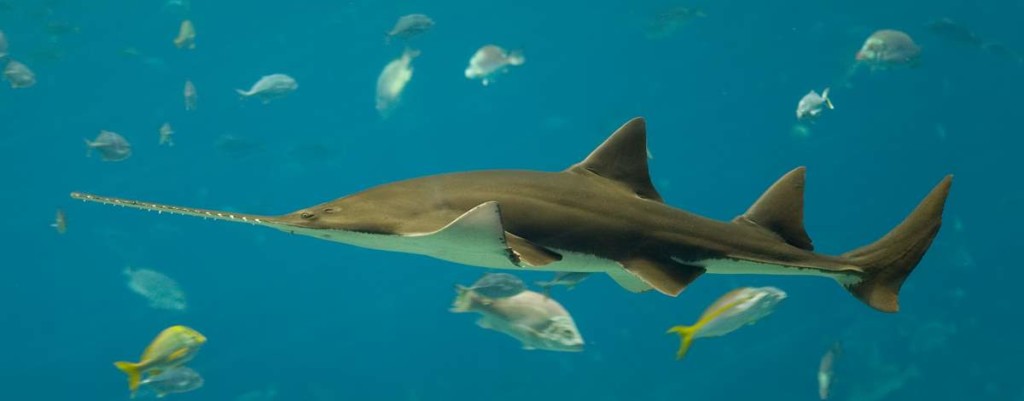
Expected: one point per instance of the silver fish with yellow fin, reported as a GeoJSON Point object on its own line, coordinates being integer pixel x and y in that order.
{"type": "Point", "coordinates": [735, 309]}
{"type": "Point", "coordinates": [172, 348]}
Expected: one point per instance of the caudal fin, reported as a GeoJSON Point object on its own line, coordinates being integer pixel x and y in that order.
{"type": "Point", "coordinates": [463, 301]}
{"type": "Point", "coordinates": [133, 372]}
{"type": "Point", "coordinates": [888, 261]}
{"type": "Point", "coordinates": [685, 338]}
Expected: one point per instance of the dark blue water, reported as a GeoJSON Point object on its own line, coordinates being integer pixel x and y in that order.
{"type": "Point", "coordinates": [323, 321]}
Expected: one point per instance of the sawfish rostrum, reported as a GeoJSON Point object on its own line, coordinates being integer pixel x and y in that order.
{"type": "Point", "coordinates": [599, 215]}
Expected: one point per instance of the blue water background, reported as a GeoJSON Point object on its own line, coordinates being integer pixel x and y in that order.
{"type": "Point", "coordinates": [323, 321]}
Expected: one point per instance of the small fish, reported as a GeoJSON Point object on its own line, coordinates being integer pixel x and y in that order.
{"type": "Point", "coordinates": [889, 48]}
{"type": "Point", "coordinates": [19, 75]}
{"type": "Point", "coordinates": [166, 135]}
{"type": "Point", "coordinates": [392, 80]}
{"type": "Point", "coordinates": [181, 379]}
{"type": "Point", "coordinates": [186, 36]}
{"type": "Point", "coordinates": [172, 348]}
{"type": "Point", "coordinates": [410, 26]}
{"type": "Point", "coordinates": [161, 291]}
{"type": "Point", "coordinates": [498, 285]}
{"type": "Point", "coordinates": [733, 310]}
{"type": "Point", "coordinates": [812, 104]}
{"type": "Point", "coordinates": [3, 45]}
{"type": "Point", "coordinates": [567, 279]}
{"type": "Point", "coordinates": [112, 146]}
{"type": "Point", "coordinates": [191, 96]}
{"type": "Point", "coordinates": [537, 321]}
{"type": "Point", "coordinates": [826, 371]}
{"type": "Point", "coordinates": [491, 60]}
{"type": "Point", "coordinates": [270, 87]}
{"type": "Point", "coordinates": [60, 223]}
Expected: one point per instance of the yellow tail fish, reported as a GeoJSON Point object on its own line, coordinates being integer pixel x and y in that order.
{"type": "Point", "coordinates": [173, 347]}
{"type": "Point", "coordinates": [735, 309]}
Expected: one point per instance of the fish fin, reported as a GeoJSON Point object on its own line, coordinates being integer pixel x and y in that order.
{"type": "Point", "coordinates": [242, 93]}
{"type": "Point", "coordinates": [623, 158]}
{"type": "Point", "coordinates": [886, 263]}
{"type": "Point", "coordinates": [629, 281]}
{"type": "Point", "coordinates": [528, 253]}
{"type": "Point", "coordinates": [88, 147]}
{"type": "Point", "coordinates": [480, 229]}
{"type": "Point", "coordinates": [484, 324]}
{"type": "Point", "coordinates": [668, 277]}
{"type": "Point", "coordinates": [463, 301]}
{"type": "Point", "coordinates": [528, 348]}
{"type": "Point", "coordinates": [780, 210]}
{"type": "Point", "coordinates": [828, 102]}
{"type": "Point", "coordinates": [516, 57]}
{"type": "Point", "coordinates": [133, 372]}
{"type": "Point", "coordinates": [685, 339]}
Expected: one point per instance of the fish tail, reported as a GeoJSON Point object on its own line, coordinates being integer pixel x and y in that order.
{"type": "Point", "coordinates": [463, 301]}
{"type": "Point", "coordinates": [828, 102]}
{"type": "Point", "coordinates": [133, 372]}
{"type": "Point", "coordinates": [242, 93]}
{"type": "Point", "coordinates": [88, 147]}
{"type": "Point", "coordinates": [886, 263]}
{"type": "Point", "coordinates": [685, 338]}
{"type": "Point", "coordinates": [516, 57]}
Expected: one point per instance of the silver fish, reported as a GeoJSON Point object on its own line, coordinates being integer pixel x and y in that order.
{"type": "Point", "coordinates": [392, 80]}
{"type": "Point", "coordinates": [735, 309]}
{"type": "Point", "coordinates": [176, 380]}
{"type": "Point", "coordinates": [812, 104]}
{"type": "Point", "coordinates": [166, 135]}
{"type": "Point", "coordinates": [567, 279]}
{"type": "Point", "coordinates": [889, 48]}
{"type": "Point", "coordinates": [410, 26]}
{"type": "Point", "coordinates": [111, 146]}
{"type": "Point", "coordinates": [498, 285]}
{"type": "Point", "coordinates": [161, 291]}
{"type": "Point", "coordinates": [270, 87]}
{"type": "Point", "coordinates": [491, 60]}
{"type": "Point", "coordinates": [19, 75]}
{"type": "Point", "coordinates": [535, 320]}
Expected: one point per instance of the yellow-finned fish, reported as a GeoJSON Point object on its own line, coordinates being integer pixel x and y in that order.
{"type": "Point", "coordinates": [735, 309]}
{"type": "Point", "coordinates": [173, 347]}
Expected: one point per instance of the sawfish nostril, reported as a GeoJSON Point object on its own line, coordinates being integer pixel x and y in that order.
{"type": "Point", "coordinates": [330, 210]}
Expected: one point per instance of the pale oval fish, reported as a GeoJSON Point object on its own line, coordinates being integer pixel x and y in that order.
{"type": "Point", "coordinates": [826, 370]}
{"type": "Point", "coordinates": [166, 135]}
{"type": "Point", "coordinates": [735, 309]}
{"type": "Point", "coordinates": [191, 96]}
{"type": "Point", "coordinates": [180, 379]}
{"type": "Point", "coordinates": [410, 26]}
{"type": "Point", "coordinates": [812, 104]}
{"type": "Point", "coordinates": [888, 48]}
{"type": "Point", "coordinates": [538, 321]}
{"type": "Point", "coordinates": [498, 285]}
{"type": "Point", "coordinates": [270, 87]}
{"type": "Point", "coordinates": [490, 60]}
{"type": "Point", "coordinates": [392, 81]}
{"type": "Point", "coordinates": [161, 291]}
{"type": "Point", "coordinates": [186, 36]}
{"type": "Point", "coordinates": [19, 75]}
{"type": "Point", "coordinates": [111, 146]}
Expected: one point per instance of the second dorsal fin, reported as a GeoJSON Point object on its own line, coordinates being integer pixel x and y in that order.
{"type": "Point", "coordinates": [623, 158]}
{"type": "Point", "coordinates": [780, 210]}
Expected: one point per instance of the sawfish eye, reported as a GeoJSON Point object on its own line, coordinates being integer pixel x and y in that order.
{"type": "Point", "coordinates": [307, 215]}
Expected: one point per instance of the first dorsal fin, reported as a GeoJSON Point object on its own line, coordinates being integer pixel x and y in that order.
{"type": "Point", "coordinates": [780, 210]}
{"type": "Point", "coordinates": [623, 158]}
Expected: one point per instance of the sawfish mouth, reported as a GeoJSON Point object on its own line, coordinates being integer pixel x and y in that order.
{"type": "Point", "coordinates": [254, 219]}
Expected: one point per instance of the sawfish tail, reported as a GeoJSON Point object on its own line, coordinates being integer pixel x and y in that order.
{"type": "Point", "coordinates": [887, 262]}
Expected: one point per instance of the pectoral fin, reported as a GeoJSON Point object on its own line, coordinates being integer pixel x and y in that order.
{"type": "Point", "coordinates": [528, 253]}
{"type": "Point", "coordinates": [666, 276]}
